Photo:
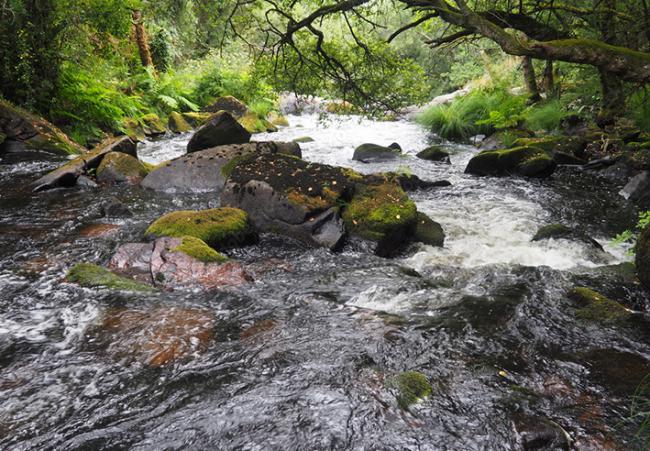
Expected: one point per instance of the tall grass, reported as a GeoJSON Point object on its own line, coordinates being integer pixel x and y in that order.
{"type": "Point", "coordinates": [545, 117]}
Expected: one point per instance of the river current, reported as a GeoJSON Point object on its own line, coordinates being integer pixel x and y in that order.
{"type": "Point", "coordinates": [302, 358]}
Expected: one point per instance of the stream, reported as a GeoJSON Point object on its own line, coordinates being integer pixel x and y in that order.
{"type": "Point", "coordinates": [302, 358]}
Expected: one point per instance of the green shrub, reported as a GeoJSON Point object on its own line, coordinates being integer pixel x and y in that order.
{"type": "Point", "coordinates": [545, 116]}
{"type": "Point", "coordinates": [631, 236]}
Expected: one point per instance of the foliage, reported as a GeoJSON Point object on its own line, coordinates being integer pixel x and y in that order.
{"type": "Point", "coordinates": [545, 116]}
{"type": "Point", "coordinates": [631, 236]}
{"type": "Point", "coordinates": [640, 410]}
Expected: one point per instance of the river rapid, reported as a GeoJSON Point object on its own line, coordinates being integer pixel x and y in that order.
{"type": "Point", "coordinates": [302, 358]}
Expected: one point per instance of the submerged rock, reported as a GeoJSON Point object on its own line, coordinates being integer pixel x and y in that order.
{"type": "Point", "coordinates": [560, 231]}
{"type": "Point", "coordinates": [411, 386]}
{"type": "Point", "coordinates": [286, 195]}
{"type": "Point", "coordinates": [220, 130]}
{"type": "Point", "coordinates": [220, 227]}
{"type": "Point", "coordinates": [93, 276]}
{"type": "Point", "coordinates": [67, 175]}
{"type": "Point", "coordinates": [117, 167]}
{"type": "Point", "coordinates": [428, 231]}
{"type": "Point", "coordinates": [115, 208]}
{"type": "Point", "coordinates": [525, 161]}
{"type": "Point", "coordinates": [435, 153]}
{"type": "Point", "coordinates": [372, 152]}
{"type": "Point", "coordinates": [157, 336]}
{"type": "Point", "coordinates": [207, 170]}
{"type": "Point", "coordinates": [23, 130]}
{"type": "Point", "coordinates": [303, 139]}
{"type": "Point", "coordinates": [596, 307]}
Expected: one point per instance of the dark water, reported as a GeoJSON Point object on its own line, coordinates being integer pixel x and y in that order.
{"type": "Point", "coordinates": [303, 358]}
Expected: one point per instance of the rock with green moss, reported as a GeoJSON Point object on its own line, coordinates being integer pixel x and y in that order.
{"type": "Point", "coordinates": [152, 124]}
{"type": "Point", "coordinates": [93, 276]}
{"type": "Point", "coordinates": [434, 153]}
{"type": "Point", "coordinates": [229, 104]}
{"type": "Point", "coordinates": [368, 153]}
{"type": "Point", "coordinates": [196, 119]}
{"type": "Point", "coordinates": [560, 231]}
{"type": "Point", "coordinates": [566, 150]}
{"type": "Point", "coordinates": [428, 231]}
{"type": "Point", "coordinates": [220, 228]}
{"type": "Point", "coordinates": [178, 124]}
{"type": "Point", "coordinates": [278, 119]}
{"type": "Point", "coordinates": [117, 167]}
{"type": "Point", "coordinates": [222, 129]}
{"type": "Point", "coordinates": [28, 131]}
{"type": "Point", "coordinates": [524, 161]}
{"type": "Point", "coordinates": [207, 170]}
{"type": "Point", "coordinates": [255, 124]}
{"type": "Point", "coordinates": [198, 249]}
{"type": "Point", "coordinates": [411, 386]}
{"type": "Point", "coordinates": [289, 196]}
{"type": "Point", "coordinates": [593, 306]}
{"type": "Point", "coordinates": [382, 213]}
{"type": "Point", "coordinates": [67, 175]}
{"type": "Point", "coordinates": [504, 139]}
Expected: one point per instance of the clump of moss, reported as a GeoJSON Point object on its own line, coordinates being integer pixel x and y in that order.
{"type": "Point", "coordinates": [122, 165]}
{"type": "Point", "coordinates": [312, 203]}
{"type": "Point", "coordinates": [152, 124]}
{"type": "Point", "coordinates": [254, 124]}
{"type": "Point", "coordinates": [596, 307]}
{"type": "Point", "coordinates": [219, 227]}
{"type": "Point", "coordinates": [177, 123]}
{"type": "Point", "coordinates": [197, 248]}
{"type": "Point", "coordinates": [196, 119]}
{"type": "Point", "coordinates": [411, 386]}
{"type": "Point", "coordinates": [91, 276]}
{"type": "Point", "coordinates": [380, 211]}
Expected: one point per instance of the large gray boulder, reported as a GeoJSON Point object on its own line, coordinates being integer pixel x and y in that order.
{"type": "Point", "coordinates": [368, 153]}
{"type": "Point", "coordinates": [222, 129]}
{"type": "Point", "coordinates": [208, 170]}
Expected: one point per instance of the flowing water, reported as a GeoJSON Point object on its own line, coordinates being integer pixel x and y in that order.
{"type": "Point", "coordinates": [304, 357]}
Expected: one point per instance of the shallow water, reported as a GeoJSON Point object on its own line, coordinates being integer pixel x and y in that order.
{"type": "Point", "coordinates": [303, 357]}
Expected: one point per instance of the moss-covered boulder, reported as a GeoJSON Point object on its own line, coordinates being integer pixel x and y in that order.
{"type": "Point", "coordinates": [33, 133]}
{"type": "Point", "coordinates": [560, 231]}
{"type": "Point", "coordinates": [566, 150]}
{"type": "Point", "coordinates": [153, 125]}
{"type": "Point", "coordinates": [434, 153]}
{"type": "Point", "coordinates": [229, 104]}
{"type": "Point", "coordinates": [428, 231]}
{"type": "Point", "coordinates": [93, 276]}
{"type": "Point", "coordinates": [177, 123]}
{"type": "Point", "coordinates": [593, 306]}
{"type": "Point", "coordinates": [382, 213]}
{"type": "Point", "coordinates": [198, 249]}
{"type": "Point", "coordinates": [278, 120]}
{"type": "Point", "coordinates": [196, 119]}
{"type": "Point", "coordinates": [504, 139]}
{"type": "Point", "coordinates": [368, 153]}
{"type": "Point", "coordinates": [219, 227]}
{"type": "Point", "coordinates": [524, 161]}
{"type": "Point", "coordinates": [286, 195]}
{"type": "Point", "coordinates": [117, 167]}
{"type": "Point", "coordinates": [411, 386]}
{"type": "Point", "coordinates": [642, 260]}
{"type": "Point", "coordinates": [207, 170]}
{"type": "Point", "coordinates": [222, 129]}
{"type": "Point", "coordinates": [255, 124]}
{"type": "Point", "coordinates": [67, 175]}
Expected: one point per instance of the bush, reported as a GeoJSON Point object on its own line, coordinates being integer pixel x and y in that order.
{"type": "Point", "coordinates": [546, 116]}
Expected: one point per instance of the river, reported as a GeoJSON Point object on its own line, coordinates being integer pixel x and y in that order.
{"type": "Point", "coordinates": [302, 358]}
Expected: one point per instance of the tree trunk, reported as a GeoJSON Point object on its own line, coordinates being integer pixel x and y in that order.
{"type": "Point", "coordinates": [141, 38]}
{"type": "Point", "coordinates": [530, 79]}
{"type": "Point", "coordinates": [613, 102]}
{"type": "Point", "coordinates": [548, 80]}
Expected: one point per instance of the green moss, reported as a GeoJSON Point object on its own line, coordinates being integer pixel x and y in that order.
{"type": "Point", "coordinates": [91, 276]}
{"type": "Point", "coordinates": [152, 124]}
{"type": "Point", "coordinates": [591, 44]}
{"type": "Point", "coordinates": [552, 231]}
{"type": "Point", "coordinates": [352, 175]}
{"type": "Point", "coordinates": [178, 124]}
{"type": "Point", "coordinates": [379, 211]}
{"type": "Point", "coordinates": [596, 307]}
{"type": "Point", "coordinates": [526, 161]}
{"type": "Point", "coordinates": [196, 119]}
{"type": "Point", "coordinates": [219, 227]}
{"type": "Point", "coordinates": [254, 124]}
{"type": "Point", "coordinates": [412, 386]}
{"type": "Point", "coordinates": [196, 248]}
{"type": "Point", "coordinates": [227, 168]}
{"type": "Point", "coordinates": [122, 164]}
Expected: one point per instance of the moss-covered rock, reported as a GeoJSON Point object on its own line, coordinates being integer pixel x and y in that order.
{"type": "Point", "coordinates": [34, 132]}
{"type": "Point", "coordinates": [220, 227]}
{"type": "Point", "coordinates": [230, 104]}
{"type": "Point", "coordinates": [411, 386]}
{"type": "Point", "coordinates": [255, 124]}
{"type": "Point", "coordinates": [198, 249]}
{"type": "Point", "coordinates": [525, 161]}
{"type": "Point", "coordinates": [117, 167]}
{"type": "Point", "coordinates": [152, 124]}
{"type": "Point", "coordinates": [373, 152]}
{"type": "Point", "coordinates": [92, 276]}
{"type": "Point", "coordinates": [504, 139]}
{"type": "Point", "coordinates": [178, 124]}
{"type": "Point", "coordinates": [278, 120]}
{"type": "Point", "coordinates": [196, 119]}
{"type": "Point", "coordinates": [596, 307]}
{"type": "Point", "coordinates": [552, 231]}
{"type": "Point", "coordinates": [341, 107]}
{"type": "Point", "coordinates": [382, 213]}
{"type": "Point", "coordinates": [428, 231]}
{"type": "Point", "coordinates": [434, 153]}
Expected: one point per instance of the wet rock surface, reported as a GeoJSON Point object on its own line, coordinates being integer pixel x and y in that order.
{"type": "Point", "coordinates": [222, 129]}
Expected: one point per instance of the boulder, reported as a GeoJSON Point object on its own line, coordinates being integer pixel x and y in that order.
{"type": "Point", "coordinates": [289, 196]}
{"type": "Point", "coordinates": [67, 175]}
{"type": "Point", "coordinates": [428, 231]}
{"type": "Point", "coordinates": [642, 260]}
{"type": "Point", "coordinates": [207, 170]}
{"type": "Point", "coordinates": [504, 138]}
{"type": "Point", "coordinates": [229, 104]}
{"type": "Point", "coordinates": [117, 167]}
{"type": "Point", "coordinates": [367, 153]}
{"type": "Point", "coordinates": [196, 119]}
{"type": "Point", "coordinates": [560, 231]}
{"type": "Point", "coordinates": [435, 153]}
{"type": "Point", "coordinates": [177, 123]}
{"type": "Point", "coordinates": [255, 124]}
{"type": "Point", "coordinates": [220, 228]}
{"type": "Point", "coordinates": [278, 120]}
{"type": "Point", "coordinates": [93, 276]}
{"type": "Point", "coordinates": [411, 182]}
{"type": "Point", "coordinates": [23, 130]}
{"type": "Point", "coordinates": [382, 213]}
{"type": "Point", "coordinates": [303, 139]}
{"type": "Point", "coordinates": [220, 130]}
{"type": "Point", "coordinates": [524, 161]}
{"type": "Point", "coordinates": [152, 125]}
{"type": "Point", "coordinates": [155, 337]}
{"type": "Point", "coordinates": [566, 150]}
{"type": "Point", "coordinates": [115, 208]}
{"type": "Point", "coordinates": [637, 190]}
{"type": "Point", "coordinates": [594, 306]}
